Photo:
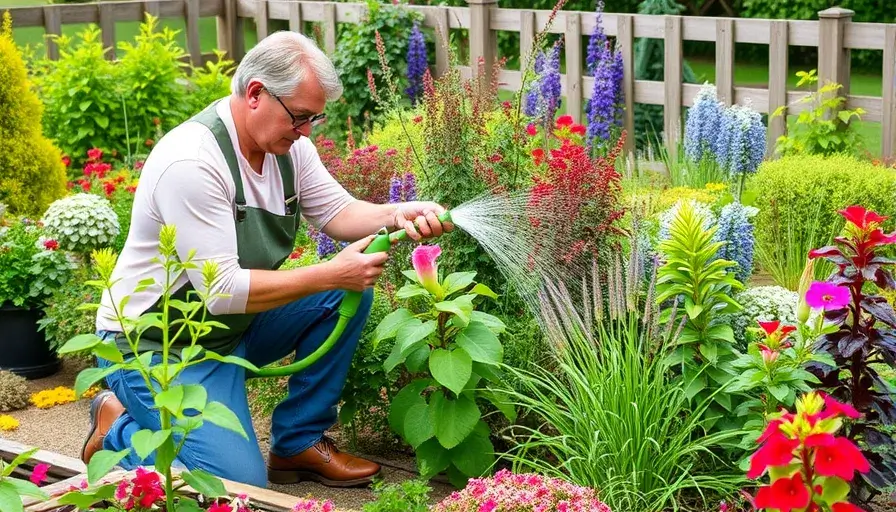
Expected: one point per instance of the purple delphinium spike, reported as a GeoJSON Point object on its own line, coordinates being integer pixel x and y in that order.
{"type": "Point", "coordinates": [417, 64]}
{"type": "Point", "coordinates": [409, 187]}
{"type": "Point", "coordinates": [395, 190]}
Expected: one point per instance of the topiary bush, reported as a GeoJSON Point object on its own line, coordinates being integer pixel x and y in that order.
{"type": "Point", "coordinates": [32, 174]}
{"type": "Point", "coordinates": [798, 198]}
{"type": "Point", "coordinates": [13, 391]}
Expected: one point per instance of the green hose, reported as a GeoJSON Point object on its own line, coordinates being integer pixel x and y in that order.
{"type": "Point", "coordinates": [347, 309]}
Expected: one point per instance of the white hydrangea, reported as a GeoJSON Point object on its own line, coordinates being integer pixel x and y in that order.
{"type": "Point", "coordinates": [82, 222]}
{"type": "Point", "coordinates": [763, 303]}
{"type": "Point", "coordinates": [668, 216]}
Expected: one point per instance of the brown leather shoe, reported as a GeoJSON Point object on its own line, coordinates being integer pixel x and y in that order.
{"type": "Point", "coordinates": [104, 410]}
{"type": "Point", "coordinates": [322, 463]}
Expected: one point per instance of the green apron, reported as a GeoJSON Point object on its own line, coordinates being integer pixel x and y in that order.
{"type": "Point", "coordinates": [264, 241]}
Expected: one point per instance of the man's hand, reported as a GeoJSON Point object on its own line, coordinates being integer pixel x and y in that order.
{"type": "Point", "coordinates": [353, 270]}
{"type": "Point", "coordinates": [425, 214]}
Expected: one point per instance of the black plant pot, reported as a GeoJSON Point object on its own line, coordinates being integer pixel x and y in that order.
{"type": "Point", "coordinates": [23, 349]}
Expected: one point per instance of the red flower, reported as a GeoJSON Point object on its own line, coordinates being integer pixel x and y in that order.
{"type": "Point", "coordinates": [531, 129]}
{"type": "Point", "coordinates": [51, 245]}
{"type": "Point", "coordinates": [784, 494]}
{"type": "Point", "coordinates": [840, 459]}
{"type": "Point", "coordinates": [565, 120]}
{"type": "Point", "coordinates": [777, 451]}
{"type": "Point", "coordinates": [860, 217]}
{"type": "Point", "coordinates": [39, 475]}
{"type": "Point", "coordinates": [94, 154]}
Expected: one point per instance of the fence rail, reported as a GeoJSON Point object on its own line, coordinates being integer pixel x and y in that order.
{"type": "Point", "coordinates": [834, 34]}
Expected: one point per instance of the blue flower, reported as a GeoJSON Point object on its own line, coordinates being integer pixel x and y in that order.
{"type": "Point", "coordinates": [735, 229]}
{"type": "Point", "coordinates": [417, 64]}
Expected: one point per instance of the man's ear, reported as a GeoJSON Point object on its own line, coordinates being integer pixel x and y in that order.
{"type": "Point", "coordinates": [253, 93]}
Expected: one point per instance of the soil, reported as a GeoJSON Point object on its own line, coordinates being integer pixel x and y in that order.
{"type": "Point", "coordinates": [61, 429]}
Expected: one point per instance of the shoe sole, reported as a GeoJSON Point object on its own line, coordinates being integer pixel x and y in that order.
{"type": "Point", "coordinates": [288, 476]}
{"type": "Point", "coordinates": [94, 409]}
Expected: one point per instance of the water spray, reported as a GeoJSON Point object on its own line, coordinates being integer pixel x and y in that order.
{"type": "Point", "coordinates": [347, 309]}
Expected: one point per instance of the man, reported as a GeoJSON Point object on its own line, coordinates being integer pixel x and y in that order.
{"type": "Point", "coordinates": [234, 180]}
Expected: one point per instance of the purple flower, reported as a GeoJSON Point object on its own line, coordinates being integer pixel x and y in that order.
{"type": "Point", "coordinates": [395, 190]}
{"type": "Point", "coordinates": [417, 64]}
{"type": "Point", "coordinates": [409, 187]}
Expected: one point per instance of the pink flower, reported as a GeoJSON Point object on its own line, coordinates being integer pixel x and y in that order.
{"type": "Point", "coordinates": [822, 295]}
{"type": "Point", "coordinates": [424, 260]}
{"type": "Point", "coordinates": [39, 475]}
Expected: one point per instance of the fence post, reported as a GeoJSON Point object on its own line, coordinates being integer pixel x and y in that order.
{"type": "Point", "coordinates": [483, 42]}
{"type": "Point", "coordinates": [833, 58]}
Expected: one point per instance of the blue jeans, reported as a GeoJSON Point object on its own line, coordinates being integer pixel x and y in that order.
{"type": "Point", "coordinates": [298, 422]}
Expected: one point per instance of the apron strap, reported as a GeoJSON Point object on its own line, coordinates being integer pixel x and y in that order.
{"type": "Point", "coordinates": [210, 119]}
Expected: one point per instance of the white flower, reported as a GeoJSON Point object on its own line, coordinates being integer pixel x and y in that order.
{"type": "Point", "coordinates": [82, 222]}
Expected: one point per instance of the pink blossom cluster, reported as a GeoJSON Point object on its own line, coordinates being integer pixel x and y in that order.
{"type": "Point", "coordinates": [509, 492]}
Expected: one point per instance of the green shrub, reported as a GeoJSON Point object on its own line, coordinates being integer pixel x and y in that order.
{"type": "Point", "coordinates": [32, 174]}
{"type": "Point", "coordinates": [798, 198]}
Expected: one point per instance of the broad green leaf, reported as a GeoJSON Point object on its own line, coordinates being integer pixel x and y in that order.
{"type": "Point", "coordinates": [219, 414]}
{"type": "Point", "coordinates": [432, 458]}
{"type": "Point", "coordinates": [9, 498]}
{"type": "Point", "coordinates": [79, 343]}
{"type": "Point", "coordinates": [102, 462]}
{"type": "Point", "coordinates": [408, 397]}
{"type": "Point", "coordinates": [417, 425]}
{"type": "Point", "coordinates": [475, 455]}
{"type": "Point", "coordinates": [461, 308]}
{"type": "Point", "coordinates": [90, 376]}
{"type": "Point", "coordinates": [457, 281]}
{"type": "Point", "coordinates": [480, 343]}
{"type": "Point", "coordinates": [451, 369]}
{"type": "Point", "coordinates": [388, 327]}
{"type": "Point", "coordinates": [492, 322]}
{"type": "Point", "coordinates": [452, 420]}
{"type": "Point", "coordinates": [147, 441]}
{"type": "Point", "coordinates": [481, 289]}
{"type": "Point", "coordinates": [204, 483]}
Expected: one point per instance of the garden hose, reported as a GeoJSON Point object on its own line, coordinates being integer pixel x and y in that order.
{"type": "Point", "coordinates": [347, 309]}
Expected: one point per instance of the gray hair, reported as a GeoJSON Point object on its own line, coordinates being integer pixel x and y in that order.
{"type": "Point", "coordinates": [282, 61]}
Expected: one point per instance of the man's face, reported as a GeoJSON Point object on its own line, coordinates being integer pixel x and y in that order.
{"type": "Point", "coordinates": [275, 122]}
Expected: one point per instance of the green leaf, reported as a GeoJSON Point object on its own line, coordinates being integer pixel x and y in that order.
{"type": "Point", "coordinates": [475, 455]}
{"type": "Point", "coordinates": [147, 441]}
{"type": "Point", "coordinates": [90, 376]}
{"type": "Point", "coordinates": [79, 343]}
{"type": "Point", "coordinates": [481, 344]}
{"type": "Point", "coordinates": [451, 369]}
{"type": "Point", "coordinates": [417, 425]}
{"type": "Point", "coordinates": [102, 462]}
{"type": "Point", "coordinates": [432, 458]}
{"type": "Point", "coordinates": [408, 397]}
{"type": "Point", "coordinates": [452, 420]}
{"type": "Point", "coordinates": [481, 289]}
{"type": "Point", "coordinates": [219, 414]}
{"type": "Point", "coordinates": [204, 483]}
{"type": "Point", "coordinates": [461, 308]}
{"type": "Point", "coordinates": [492, 322]}
{"type": "Point", "coordinates": [9, 498]}
{"type": "Point", "coordinates": [457, 281]}
{"type": "Point", "coordinates": [388, 327]}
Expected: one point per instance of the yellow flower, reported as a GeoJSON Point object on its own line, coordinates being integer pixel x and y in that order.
{"type": "Point", "coordinates": [8, 423]}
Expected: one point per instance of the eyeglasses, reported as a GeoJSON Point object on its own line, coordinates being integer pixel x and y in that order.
{"type": "Point", "coordinates": [298, 122]}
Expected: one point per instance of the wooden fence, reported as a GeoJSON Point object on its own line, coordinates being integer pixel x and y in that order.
{"type": "Point", "coordinates": [834, 34]}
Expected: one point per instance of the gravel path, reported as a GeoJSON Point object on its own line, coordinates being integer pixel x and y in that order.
{"type": "Point", "coordinates": [62, 428]}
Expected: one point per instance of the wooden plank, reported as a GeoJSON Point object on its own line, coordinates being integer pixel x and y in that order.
{"type": "Point", "coordinates": [672, 78]}
{"type": "Point", "coordinates": [626, 41]}
{"type": "Point", "coordinates": [777, 83]}
{"type": "Point", "coordinates": [52, 26]}
{"type": "Point", "coordinates": [261, 18]}
{"type": "Point", "coordinates": [330, 28]}
{"type": "Point", "coordinates": [443, 57]}
{"type": "Point", "coordinates": [107, 26]}
{"type": "Point", "coordinates": [573, 49]}
{"type": "Point", "coordinates": [295, 17]}
{"type": "Point", "coordinates": [888, 118]}
{"type": "Point", "coordinates": [725, 60]}
{"type": "Point", "coordinates": [191, 13]}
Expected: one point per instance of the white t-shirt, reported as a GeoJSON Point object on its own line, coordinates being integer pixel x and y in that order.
{"type": "Point", "coordinates": [186, 182]}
